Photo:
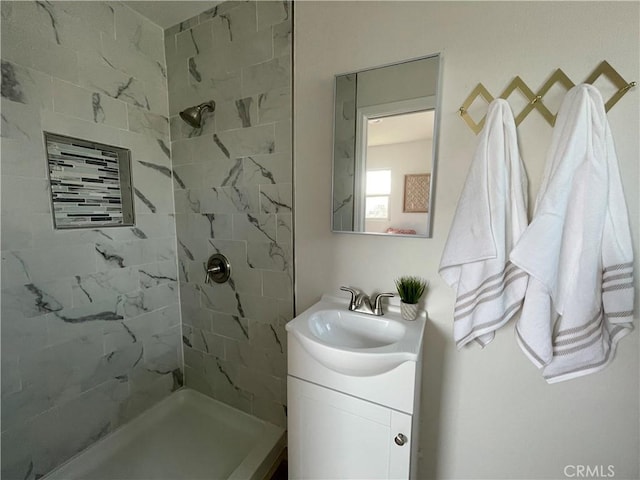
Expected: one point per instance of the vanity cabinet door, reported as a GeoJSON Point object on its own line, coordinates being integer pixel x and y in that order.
{"type": "Point", "coordinates": [337, 436]}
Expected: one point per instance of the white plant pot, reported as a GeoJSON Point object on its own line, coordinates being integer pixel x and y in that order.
{"type": "Point", "coordinates": [409, 311]}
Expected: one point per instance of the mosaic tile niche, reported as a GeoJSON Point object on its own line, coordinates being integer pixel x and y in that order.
{"type": "Point", "coordinates": [90, 183]}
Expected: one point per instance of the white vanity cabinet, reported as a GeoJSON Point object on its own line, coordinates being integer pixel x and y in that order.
{"type": "Point", "coordinates": [353, 394]}
{"type": "Point", "coordinates": [337, 436]}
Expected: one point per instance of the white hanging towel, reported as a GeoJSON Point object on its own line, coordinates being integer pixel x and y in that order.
{"type": "Point", "coordinates": [490, 217]}
{"type": "Point", "coordinates": [578, 249]}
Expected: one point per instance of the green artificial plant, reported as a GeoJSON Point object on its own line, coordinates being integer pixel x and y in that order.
{"type": "Point", "coordinates": [410, 288]}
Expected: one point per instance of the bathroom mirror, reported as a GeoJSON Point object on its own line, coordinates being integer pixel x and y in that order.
{"type": "Point", "coordinates": [385, 148]}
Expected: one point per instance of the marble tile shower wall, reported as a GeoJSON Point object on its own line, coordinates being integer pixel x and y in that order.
{"type": "Point", "coordinates": [90, 318]}
{"type": "Point", "coordinates": [235, 197]}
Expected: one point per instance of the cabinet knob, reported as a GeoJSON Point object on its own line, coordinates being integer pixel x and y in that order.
{"type": "Point", "coordinates": [400, 439]}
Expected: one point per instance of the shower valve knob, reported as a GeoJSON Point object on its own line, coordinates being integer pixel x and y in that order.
{"type": "Point", "coordinates": [218, 269]}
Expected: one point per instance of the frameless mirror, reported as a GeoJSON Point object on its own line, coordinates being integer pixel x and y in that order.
{"type": "Point", "coordinates": [384, 152]}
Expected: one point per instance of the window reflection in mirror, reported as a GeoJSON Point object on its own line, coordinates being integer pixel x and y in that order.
{"type": "Point", "coordinates": [384, 149]}
{"type": "Point", "coordinates": [377, 190]}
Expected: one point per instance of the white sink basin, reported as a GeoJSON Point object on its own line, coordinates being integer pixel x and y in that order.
{"type": "Point", "coordinates": [357, 344]}
{"type": "Point", "coordinates": [353, 330]}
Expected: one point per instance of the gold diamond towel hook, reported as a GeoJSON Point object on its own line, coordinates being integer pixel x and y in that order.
{"type": "Point", "coordinates": [557, 77]}
{"type": "Point", "coordinates": [535, 99]}
{"type": "Point", "coordinates": [484, 93]}
{"type": "Point", "coordinates": [620, 83]}
{"type": "Point", "coordinates": [518, 83]}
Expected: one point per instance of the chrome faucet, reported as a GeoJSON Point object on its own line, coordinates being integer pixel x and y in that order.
{"type": "Point", "coordinates": [363, 304]}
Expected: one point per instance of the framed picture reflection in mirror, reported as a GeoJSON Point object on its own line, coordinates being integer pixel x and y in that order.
{"type": "Point", "coordinates": [416, 193]}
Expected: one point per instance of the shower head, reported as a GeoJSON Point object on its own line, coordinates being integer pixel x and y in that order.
{"type": "Point", "coordinates": [193, 115]}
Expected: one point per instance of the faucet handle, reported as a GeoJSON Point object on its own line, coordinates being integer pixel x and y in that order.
{"type": "Point", "coordinates": [377, 302]}
{"type": "Point", "coordinates": [354, 294]}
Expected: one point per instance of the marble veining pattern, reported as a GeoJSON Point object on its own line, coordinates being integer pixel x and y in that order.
{"type": "Point", "coordinates": [193, 70]}
{"type": "Point", "coordinates": [244, 105]}
{"type": "Point", "coordinates": [235, 191]}
{"type": "Point", "coordinates": [145, 201]}
{"type": "Point", "coordinates": [11, 87]}
{"type": "Point", "coordinates": [90, 318]}
{"type": "Point", "coordinates": [99, 115]}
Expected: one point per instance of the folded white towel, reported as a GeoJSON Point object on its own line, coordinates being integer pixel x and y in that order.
{"type": "Point", "coordinates": [491, 216]}
{"type": "Point", "coordinates": [578, 249]}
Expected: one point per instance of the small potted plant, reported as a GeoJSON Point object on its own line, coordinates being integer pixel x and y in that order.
{"type": "Point", "coordinates": [410, 289]}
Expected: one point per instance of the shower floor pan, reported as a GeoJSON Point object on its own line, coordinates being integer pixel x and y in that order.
{"type": "Point", "coordinates": [187, 436]}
